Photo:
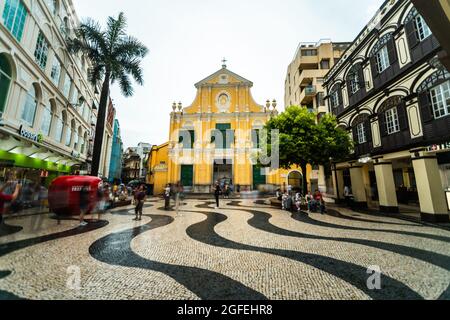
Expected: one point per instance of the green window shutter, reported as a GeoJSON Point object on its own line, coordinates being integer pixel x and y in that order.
{"type": "Point", "coordinates": [192, 133]}
{"type": "Point", "coordinates": [223, 126]}
{"type": "Point", "coordinates": [4, 88]}
{"type": "Point", "coordinates": [258, 177]}
{"type": "Point", "coordinates": [256, 139]}
{"type": "Point", "coordinates": [226, 133]}
{"type": "Point", "coordinates": [187, 175]}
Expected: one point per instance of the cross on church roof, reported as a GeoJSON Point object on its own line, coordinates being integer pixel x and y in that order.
{"type": "Point", "coordinates": [224, 63]}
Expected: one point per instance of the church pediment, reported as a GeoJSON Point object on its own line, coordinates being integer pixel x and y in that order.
{"type": "Point", "coordinates": [224, 77]}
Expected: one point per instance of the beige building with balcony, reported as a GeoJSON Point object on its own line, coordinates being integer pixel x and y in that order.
{"type": "Point", "coordinates": [304, 78]}
{"type": "Point", "coordinates": [304, 87]}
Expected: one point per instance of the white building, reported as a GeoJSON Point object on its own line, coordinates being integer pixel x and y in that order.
{"type": "Point", "coordinates": [47, 104]}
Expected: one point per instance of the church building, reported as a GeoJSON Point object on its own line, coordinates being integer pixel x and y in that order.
{"type": "Point", "coordinates": [217, 139]}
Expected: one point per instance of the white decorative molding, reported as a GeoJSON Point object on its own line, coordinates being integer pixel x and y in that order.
{"type": "Point", "coordinates": [404, 55]}
{"type": "Point", "coordinates": [376, 137]}
{"type": "Point", "coordinates": [223, 101]}
{"type": "Point", "coordinates": [345, 97]}
{"type": "Point", "coordinates": [415, 121]}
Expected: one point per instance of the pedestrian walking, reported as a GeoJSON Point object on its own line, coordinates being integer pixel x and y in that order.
{"type": "Point", "coordinates": [177, 198]}
{"type": "Point", "coordinates": [140, 199]}
{"type": "Point", "coordinates": [167, 192]}
{"type": "Point", "coordinates": [84, 204]}
{"type": "Point", "coordinates": [217, 193]}
{"type": "Point", "coordinates": [5, 198]}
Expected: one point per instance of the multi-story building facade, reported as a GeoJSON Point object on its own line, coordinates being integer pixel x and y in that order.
{"type": "Point", "coordinates": [131, 165]}
{"type": "Point", "coordinates": [143, 150]}
{"type": "Point", "coordinates": [46, 101]}
{"type": "Point", "coordinates": [304, 87]}
{"type": "Point", "coordinates": [105, 159]}
{"type": "Point", "coordinates": [305, 74]}
{"type": "Point", "coordinates": [115, 168]}
{"type": "Point", "coordinates": [393, 96]}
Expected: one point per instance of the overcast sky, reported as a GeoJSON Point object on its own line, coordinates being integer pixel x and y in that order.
{"type": "Point", "coordinates": [187, 40]}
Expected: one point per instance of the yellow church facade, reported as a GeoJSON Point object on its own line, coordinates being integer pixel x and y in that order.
{"type": "Point", "coordinates": [216, 139]}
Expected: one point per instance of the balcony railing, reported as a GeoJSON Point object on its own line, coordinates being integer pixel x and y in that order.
{"type": "Point", "coordinates": [310, 91]}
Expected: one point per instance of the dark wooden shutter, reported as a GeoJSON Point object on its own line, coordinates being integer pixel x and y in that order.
{"type": "Point", "coordinates": [392, 51]}
{"type": "Point", "coordinates": [355, 134]}
{"type": "Point", "coordinates": [411, 34]}
{"type": "Point", "coordinates": [349, 84]}
{"type": "Point", "coordinates": [362, 81]}
{"type": "Point", "coordinates": [425, 107]}
{"type": "Point", "coordinates": [382, 122]}
{"type": "Point", "coordinates": [373, 65]}
{"type": "Point", "coordinates": [341, 101]}
{"type": "Point", "coordinates": [192, 133]}
{"type": "Point", "coordinates": [402, 116]}
{"type": "Point", "coordinates": [368, 129]}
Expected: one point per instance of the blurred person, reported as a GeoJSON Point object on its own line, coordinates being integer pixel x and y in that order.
{"type": "Point", "coordinates": [167, 192]}
{"type": "Point", "coordinates": [298, 200]}
{"type": "Point", "coordinates": [179, 195]}
{"type": "Point", "coordinates": [140, 199]}
{"type": "Point", "coordinates": [217, 193]}
{"type": "Point", "coordinates": [6, 198]}
{"type": "Point", "coordinates": [319, 202]}
{"type": "Point", "coordinates": [227, 191]}
{"type": "Point", "coordinates": [84, 204]}
{"type": "Point", "coordinates": [309, 201]}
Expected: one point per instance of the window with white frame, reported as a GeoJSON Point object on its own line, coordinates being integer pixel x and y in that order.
{"type": "Point", "coordinates": [82, 145]}
{"type": "Point", "coordinates": [41, 51]}
{"type": "Point", "coordinates": [74, 97]}
{"type": "Point", "coordinates": [51, 4]}
{"type": "Point", "coordinates": [382, 59]}
{"type": "Point", "coordinates": [334, 98]}
{"type": "Point", "coordinates": [440, 100]}
{"type": "Point", "coordinates": [354, 81]}
{"type": "Point", "coordinates": [29, 108]}
{"type": "Point", "coordinates": [392, 121]}
{"type": "Point", "coordinates": [75, 141]}
{"type": "Point", "coordinates": [67, 84]}
{"type": "Point", "coordinates": [361, 133]}
{"type": "Point", "coordinates": [68, 136]}
{"type": "Point", "coordinates": [59, 129]}
{"type": "Point", "coordinates": [56, 71]}
{"type": "Point", "coordinates": [46, 121]}
{"type": "Point", "coordinates": [14, 17]}
{"type": "Point", "coordinates": [422, 29]}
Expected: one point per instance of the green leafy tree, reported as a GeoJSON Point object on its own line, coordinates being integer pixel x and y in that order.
{"type": "Point", "coordinates": [304, 140]}
{"type": "Point", "coordinates": [115, 57]}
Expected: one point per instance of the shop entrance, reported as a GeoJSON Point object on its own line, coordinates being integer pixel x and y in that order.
{"type": "Point", "coordinates": [223, 171]}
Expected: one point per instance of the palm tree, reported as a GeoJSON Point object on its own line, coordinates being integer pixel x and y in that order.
{"type": "Point", "coordinates": [115, 57]}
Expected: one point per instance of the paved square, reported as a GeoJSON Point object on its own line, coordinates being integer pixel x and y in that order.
{"type": "Point", "coordinates": [244, 250]}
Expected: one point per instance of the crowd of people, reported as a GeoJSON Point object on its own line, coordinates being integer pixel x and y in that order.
{"type": "Point", "coordinates": [296, 201]}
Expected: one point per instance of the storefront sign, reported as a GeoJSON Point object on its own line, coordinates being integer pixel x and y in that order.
{"type": "Point", "coordinates": [439, 147]}
{"type": "Point", "coordinates": [160, 168]}
{"type": "Point", "coordinates": [30, 136]}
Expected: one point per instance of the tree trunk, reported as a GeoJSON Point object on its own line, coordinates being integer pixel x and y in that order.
{"type": "Point", "coordinates": [100, 127]}
{"type": "Point", "coordinates": [304, 178]}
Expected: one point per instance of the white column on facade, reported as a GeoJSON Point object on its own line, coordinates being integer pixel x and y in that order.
{"type": "Point", "coordinates": [433, 204]}
{"type": "Point", "coordinates": [338, 184]}
{"type": "Point", "coordinates": [386, 186]}
{"type": "Point", "coordinates": [358, 186]}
